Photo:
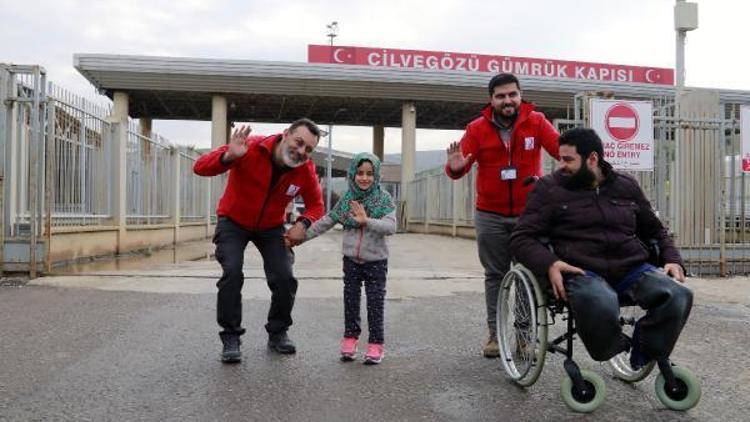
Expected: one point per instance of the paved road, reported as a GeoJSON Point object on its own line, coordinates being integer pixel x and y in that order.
{"type": "Point", "coordinates": [141, 344]}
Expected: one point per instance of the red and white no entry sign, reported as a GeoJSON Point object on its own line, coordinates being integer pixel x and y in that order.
{"type": "Point", "coordinates": [627, 132]}
{"type": "Point", "coordinates": [621, 122]}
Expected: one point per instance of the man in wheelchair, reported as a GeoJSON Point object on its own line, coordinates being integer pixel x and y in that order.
{"type": "Point", "coordinates": [597, 221]}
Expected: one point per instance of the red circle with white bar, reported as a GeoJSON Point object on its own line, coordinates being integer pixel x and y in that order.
{"type": "Point", "coordinates": [621, 121]}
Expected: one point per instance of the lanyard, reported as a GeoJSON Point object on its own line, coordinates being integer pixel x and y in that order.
{"type": "Point", "coordinates": [508, 145]}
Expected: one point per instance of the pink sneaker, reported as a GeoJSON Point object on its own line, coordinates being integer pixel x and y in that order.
{"type": "Point", "coordinates": [348, 348]}
{"type": "Point", "coordinates": [374, 354]}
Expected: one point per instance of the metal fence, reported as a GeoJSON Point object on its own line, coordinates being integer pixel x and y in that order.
{"type": "Point", "coordinates": [23, 139]}
{"type": "Point", "coordinates": [713, 231]}
{"type": "Point", "coordinates": [192, 191]}
{"type": "Point", "coordinates": [75, 144]}
{"type": "Point", "coordinates": [217, 185]}
{"type": "Point", "coordinates": [57, 169]}
{"type": "Point", "coordinates": [80, 158]}
{"type": "Point", "coordinates": [439, 199]}
{"type": "Point", "coordinates": [149, 178]}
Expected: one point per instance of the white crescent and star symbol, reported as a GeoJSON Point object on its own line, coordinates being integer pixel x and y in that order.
{"type": "Point", "coordinates": [648, 76]}
{"type": "Point", "coordinates": [337, 59]}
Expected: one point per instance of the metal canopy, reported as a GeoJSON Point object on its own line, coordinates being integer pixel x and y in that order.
{"type": "Point", "coordinates": [277, 92]}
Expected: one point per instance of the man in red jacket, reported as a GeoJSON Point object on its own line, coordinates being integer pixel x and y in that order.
{"type": "Point", "coordinates": [265, 174]}
{"type": "Point", "coordinates": [505, 142]}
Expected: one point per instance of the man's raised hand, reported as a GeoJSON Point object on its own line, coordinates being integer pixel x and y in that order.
{"type": "Point", "coordinates": [237, 146]}
{"type": "Point", "coordinates": [456, 159]}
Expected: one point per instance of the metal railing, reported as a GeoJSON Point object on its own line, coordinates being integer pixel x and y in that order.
{"type": "Point", "coordinates": [60, 164]}
{"type": "Point", "coordinates": [193, 190]}
{"type": "Point", "coordinates": [439, 199]}
{"type": "Point", "coordinates": [23, 150]}
{"type": "Point", "coordinates": [80, 158]}
{"type": "Point", "coordinates": [149, 179]}
{"type": "Point", "coordinates": [217, 184]}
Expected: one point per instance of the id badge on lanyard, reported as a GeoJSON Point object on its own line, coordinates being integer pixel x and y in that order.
{"type": "Point", "coordinates": [509, 172]}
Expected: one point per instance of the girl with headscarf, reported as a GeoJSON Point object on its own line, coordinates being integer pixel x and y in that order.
{"type": "Point", "coordinates": [368, 215]}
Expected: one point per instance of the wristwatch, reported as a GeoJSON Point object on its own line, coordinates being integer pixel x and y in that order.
{"type": "Point", "coordinates": [304, 221]}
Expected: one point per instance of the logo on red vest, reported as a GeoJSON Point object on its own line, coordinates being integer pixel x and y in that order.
{"type": "Point", "coordinates": [292, 190]}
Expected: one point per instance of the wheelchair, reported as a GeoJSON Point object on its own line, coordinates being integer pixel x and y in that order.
{"type": "Point", "coordinates": [526, 310]}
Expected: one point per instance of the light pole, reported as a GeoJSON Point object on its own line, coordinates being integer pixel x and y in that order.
{"type": "Point", "coordinates": [333, 30]}
{"type": "Point", "coordinates": [685, 19]}
{"type": "Point", "coordinates": [329, 167]}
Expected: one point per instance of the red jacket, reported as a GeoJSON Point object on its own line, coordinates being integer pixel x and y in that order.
{"type": "Point", "coordinates": [531, 131]}
{"type": "Point", "coordinates": [248, 199]}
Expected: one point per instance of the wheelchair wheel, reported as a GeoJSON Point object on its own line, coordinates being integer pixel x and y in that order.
{"type": "Point", "coordinates": [686, 394]}
{"type": "Point", "coordinates": [522, 326]}
{"type": "Point", "coordinates": [620, 364]}
{"type": "Point", "coordinates": [584, 401]}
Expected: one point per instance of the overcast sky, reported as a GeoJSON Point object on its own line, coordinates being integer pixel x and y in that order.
{"type": "Point", "coordinates": [634, 32]}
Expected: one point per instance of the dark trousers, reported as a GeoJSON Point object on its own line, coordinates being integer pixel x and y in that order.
{"type": "Point", "coordinates": [231, 241]}
{"type": "Point", "coordinates": [373, 274]}
{"type": "Point", "coordinates": [595, 308]}
{"type": "Point", "coordinates": [493, 244]}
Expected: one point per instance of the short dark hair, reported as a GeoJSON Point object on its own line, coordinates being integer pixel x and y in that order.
{"type": "Point", "coordinates": [309, 124]}
{"type": "Point", "coordinates": [503, 79]}
{"type": "Point", "coordinates": [585, 140]}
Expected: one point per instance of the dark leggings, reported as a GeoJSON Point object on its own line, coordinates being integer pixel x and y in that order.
{"type": "Point", "coordinates": [373, 274]}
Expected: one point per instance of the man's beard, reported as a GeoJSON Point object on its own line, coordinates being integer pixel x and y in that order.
{"type": "Point", "coordinates": [288, 159]}
{"type": "Point", "coordinates": [502, 117]}
{"type": "Point", "coordinates": [583, 178]}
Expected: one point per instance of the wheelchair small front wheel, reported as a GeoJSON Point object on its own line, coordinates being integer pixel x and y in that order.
{"type": "Point", "coordinates": [684, 395]}
{"type": "Point", "coordinates": [587, 400]}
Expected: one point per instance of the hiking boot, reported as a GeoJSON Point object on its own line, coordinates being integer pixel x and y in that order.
{"type": "Point", "coordinates": [374, 354]}
{"type": "Point", "coordinates": [491, 349]}
{"type": "Point", "coordinates": [231, 351]}
{"type": "Point", "coordinates": [281, 343]}
{"type": "Point", "coordinates": [348, 348]}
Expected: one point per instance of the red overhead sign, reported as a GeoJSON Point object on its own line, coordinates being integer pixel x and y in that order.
{"type": "Point", "coordinates": [521, 66]}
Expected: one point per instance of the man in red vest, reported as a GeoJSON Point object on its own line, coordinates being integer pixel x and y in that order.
{"type": "Point", "coordinates": [265, 174]}
{"type": "Point", "coordinates": [505, 142]}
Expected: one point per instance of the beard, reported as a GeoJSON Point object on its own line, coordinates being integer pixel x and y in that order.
{"type": "Point", "coordinates": [582, 179]}
{"type": "Point", "coordinates": [289, 159]}
{"type": "Point", "coordinates": [500, 114]}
